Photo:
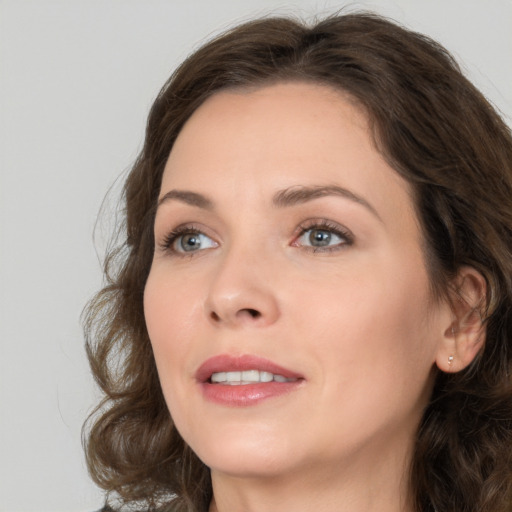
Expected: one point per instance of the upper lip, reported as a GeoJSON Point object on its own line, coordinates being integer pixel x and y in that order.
{"type": "Point", "coordinates": [230, 363]}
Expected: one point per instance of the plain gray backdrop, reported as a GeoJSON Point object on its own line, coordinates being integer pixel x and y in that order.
{"type": "Point", "coordinates": [77, 78]}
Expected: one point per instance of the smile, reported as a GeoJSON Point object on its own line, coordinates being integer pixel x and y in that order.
{"type": "Point", "coordinates": [247, 377]}
{"type": "Point", "coordinates": [246, 380]}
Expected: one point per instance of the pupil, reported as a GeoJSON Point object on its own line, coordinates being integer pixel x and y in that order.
{"type": "Point", "coordinates": [190, 242]}
{"type": "Point", "coordinates": [319, 237]}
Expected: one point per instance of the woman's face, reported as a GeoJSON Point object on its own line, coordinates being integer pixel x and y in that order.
{"type": "Point", "coordinates": [288, 249]}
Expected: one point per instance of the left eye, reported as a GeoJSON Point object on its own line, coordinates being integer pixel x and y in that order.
{"type": "Point", "coordinates": [192, 242]}
{"type": "Point", "coordinates": [319, 238]}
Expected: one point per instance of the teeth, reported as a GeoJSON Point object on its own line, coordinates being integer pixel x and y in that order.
{"type": "Point", "coordinates": [266, 377]}
{"type": "Point", "coordinates": [246, 377]}
{"type": "Point", "coordinates": [233, 377]}
{"type": "Point", "coordinates": [251, 376]}
{"type": "Point", "coordinates": [219, 377]}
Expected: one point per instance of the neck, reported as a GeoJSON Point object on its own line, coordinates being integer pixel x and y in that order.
{"type": "Point", "coordinates": [372, 485]}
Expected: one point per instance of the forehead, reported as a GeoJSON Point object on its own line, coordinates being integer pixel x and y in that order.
{"type": "Point", "coordinates": [275, 118]}
{"type": "Point", "coordinates": [241, 143]}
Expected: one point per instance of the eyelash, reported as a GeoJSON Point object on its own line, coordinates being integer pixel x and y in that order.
{"type": "Point", "coordinates": [319, 224]}
{"type": "Point", "coordinates": [329, 226]}
{"type": "Point", "coordinates": [169, 240]}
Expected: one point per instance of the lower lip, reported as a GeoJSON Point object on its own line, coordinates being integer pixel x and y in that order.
{"type": "Point", "coordinates": [247, 394]}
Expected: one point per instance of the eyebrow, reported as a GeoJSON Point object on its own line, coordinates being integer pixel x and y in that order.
{"type": "Point", "coordinates": [300, 194]}
{"type": "Point", "coordinates": [187, 197]}
{"type": "Point", "coordinates": [282, 199]}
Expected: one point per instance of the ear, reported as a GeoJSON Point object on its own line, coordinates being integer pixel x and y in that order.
{"type": "Point", "coordinates": [464, 338]}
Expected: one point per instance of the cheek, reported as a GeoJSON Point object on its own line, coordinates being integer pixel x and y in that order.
{"type": "Point", "coordinates": [170, 307]}
{"type": "Point", "coordinates": [374, 323]}
{"type": "Point", "coordinates": [375, 353]}
{"type": "Point", "coordinates": [171, 315]}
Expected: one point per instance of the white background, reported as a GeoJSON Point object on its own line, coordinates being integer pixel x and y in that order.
{"type": "Point", "coordinates": [77, 78]}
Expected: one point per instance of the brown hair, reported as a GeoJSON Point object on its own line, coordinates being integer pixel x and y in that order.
{"type": "Point", "coordinates": [443, 137]}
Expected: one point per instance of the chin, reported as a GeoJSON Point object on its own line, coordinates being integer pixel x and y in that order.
{"type": "Point", "coordinates": [244, 453]}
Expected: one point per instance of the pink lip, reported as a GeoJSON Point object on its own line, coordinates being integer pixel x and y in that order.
{"type": "Point", "coordinates": [249, 394]}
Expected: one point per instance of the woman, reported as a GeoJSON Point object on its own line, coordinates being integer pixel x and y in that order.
{"type": "Point", "coordinates": [312, 306]}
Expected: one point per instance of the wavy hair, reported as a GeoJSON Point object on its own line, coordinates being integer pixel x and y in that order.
{"type": "Point", "coordinates": [440, 134]}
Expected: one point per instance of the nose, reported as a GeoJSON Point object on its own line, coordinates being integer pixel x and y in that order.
{"type": "Point", "coordinates": [241, 293]}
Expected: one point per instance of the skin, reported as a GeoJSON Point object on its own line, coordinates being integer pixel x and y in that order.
{"type": "Point", "coordinates": [357, 321]}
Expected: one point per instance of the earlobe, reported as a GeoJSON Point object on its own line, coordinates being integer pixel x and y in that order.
{"type": "Point", "coordinates": [464, 338]}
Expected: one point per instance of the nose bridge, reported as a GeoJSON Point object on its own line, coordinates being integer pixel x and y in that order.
{"type": "Point", "coordinates": [241, 290]}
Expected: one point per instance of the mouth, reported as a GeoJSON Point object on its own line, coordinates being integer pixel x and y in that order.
{"type": "Point", "coordinates": [244, 380]}
{"type": "Point", "coordinates": [247, 377]}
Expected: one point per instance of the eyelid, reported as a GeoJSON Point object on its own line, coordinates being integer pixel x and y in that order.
{"type": "Point", "coordinates": [327, 225]}
{"type": "Point", "coordinates": [166, 242]}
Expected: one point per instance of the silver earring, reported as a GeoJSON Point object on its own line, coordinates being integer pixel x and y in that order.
{"type": "Point", "coordinates": [450, 360]}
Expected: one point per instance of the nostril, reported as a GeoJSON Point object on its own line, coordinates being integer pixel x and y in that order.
{"type": "Point", "coordinates": [245, 312]}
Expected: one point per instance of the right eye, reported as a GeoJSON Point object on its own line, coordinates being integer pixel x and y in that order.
{"type": "Point", "coordinates": [188, 241]}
